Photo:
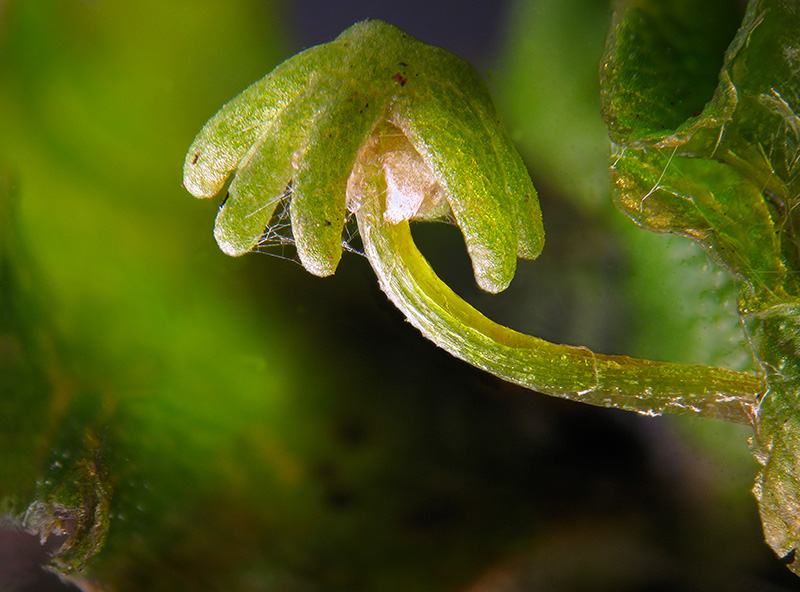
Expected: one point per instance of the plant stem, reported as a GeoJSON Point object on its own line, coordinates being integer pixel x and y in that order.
{"type": "Point", "coordinates": [576, 373]}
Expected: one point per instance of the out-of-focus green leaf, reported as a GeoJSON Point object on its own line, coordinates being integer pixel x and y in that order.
{"type": "Point", "coordinates": [548, 88]}
{"type": "Point", "coordinates": [44, 489]}
{"type": "Point", "coordinates": [241, 427]}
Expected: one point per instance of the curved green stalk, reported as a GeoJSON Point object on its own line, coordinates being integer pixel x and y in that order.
{"type": "Point", "coordinates": [576, 373]}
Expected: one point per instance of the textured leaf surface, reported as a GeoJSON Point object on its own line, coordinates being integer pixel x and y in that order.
{"type": "Point", "coordinates": [724, 171]}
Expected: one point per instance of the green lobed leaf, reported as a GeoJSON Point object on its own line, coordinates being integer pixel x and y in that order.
{"type": "Point", "coordinates": [301, 141]}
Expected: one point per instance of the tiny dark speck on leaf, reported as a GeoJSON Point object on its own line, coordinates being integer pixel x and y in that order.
{"type": "Point", "coordinates": [196, 156]}
{"type": "Point", "coordinates": [400, 79]}
{"type": "Point", "coordinates": [403, 64]}
{"type": "Point", "coordinates": [326, 222]}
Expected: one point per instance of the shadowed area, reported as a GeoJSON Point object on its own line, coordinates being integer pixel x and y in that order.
{"type": "Point", "coordinates": [22, 558]}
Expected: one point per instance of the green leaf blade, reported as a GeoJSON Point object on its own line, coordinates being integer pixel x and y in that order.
{"type": "Point", "coordinates": [229, 135]}
{"type": "Point", "coordinates": [262, 178]}
{"type": "Point", "coordinates": [662, 63]}
{"type": "Point", "coordinates": [704, 200]}
{"type": "Point", "coordinates": [775, 336]}
{"type": "Point", "coordinates": [492, 198]}
{"type": "Point", "coordinates": [322, 167]}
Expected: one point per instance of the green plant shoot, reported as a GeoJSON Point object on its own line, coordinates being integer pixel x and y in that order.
{"type": "Point", "coordinates": [379, 124]}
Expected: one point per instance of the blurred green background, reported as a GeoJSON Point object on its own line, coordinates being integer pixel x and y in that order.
{"type": "Point", "coordinates": [264, 429]}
